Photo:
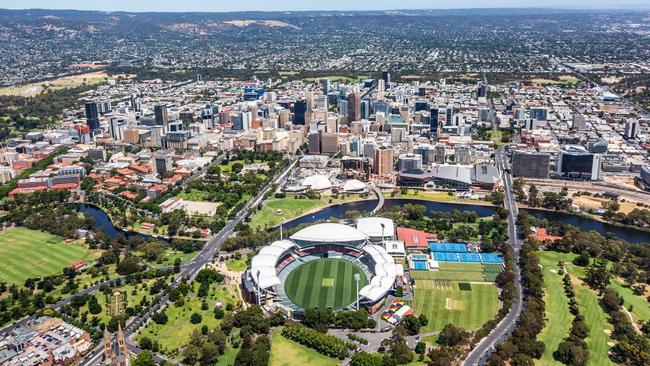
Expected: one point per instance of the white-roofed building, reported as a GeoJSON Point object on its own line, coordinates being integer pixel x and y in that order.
{"type": "Point", "coordinates": [354, 186]}
{"type": "Point", "coordinates": [377, 229]}
{"type": "Point", "coordinates": [317, 183]}
{"type": "Point", "coordinates": [329, 233]}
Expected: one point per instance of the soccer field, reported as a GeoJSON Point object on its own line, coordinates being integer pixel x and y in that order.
{"type": "Point", "coordinates": [28, 253]}
{"type": "Point", "coordinates": [445, 302]}
{"type": "Point", "coordinates": [324, 283]}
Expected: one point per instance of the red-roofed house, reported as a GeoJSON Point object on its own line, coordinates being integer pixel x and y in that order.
{"type": "Point", "coordinates": [414, 240]}
{"type": "Point", "coordinates": [541, 234]}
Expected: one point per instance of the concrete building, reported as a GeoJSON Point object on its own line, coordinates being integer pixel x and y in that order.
{"type": "Point", "coordinates": [382, 164]}
{"type": "Point", "coordinates": [530, 164]}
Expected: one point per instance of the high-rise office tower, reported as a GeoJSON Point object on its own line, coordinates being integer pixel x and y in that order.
{"type": "Point", "coordinates": [115, 128]}
{"type": "Point", "coordinates": [92, 116]}
{"type": "Point", "coordinates": [354, 107]}
{"type": "Point", "coordinates": [343, 107]}
{"type": "Point", "coordinates": [299, 112]}
{"type": "Point", "coordinates": [631, 129]}
{"type": "Point", "coordinates": [160, 113]}
{"type": "Point", "coordinates": [386, 77]}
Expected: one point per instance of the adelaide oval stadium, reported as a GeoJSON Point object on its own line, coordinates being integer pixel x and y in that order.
{"type": "Point", "coordinates": [327, 265]}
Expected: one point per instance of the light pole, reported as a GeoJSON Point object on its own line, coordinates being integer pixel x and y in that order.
{"type": "Point", "coordinates": [357, 277]}
{"type": "Point", "coordinates": [259, 289]}
{"type": "Point", "coordinates": [382, 233]}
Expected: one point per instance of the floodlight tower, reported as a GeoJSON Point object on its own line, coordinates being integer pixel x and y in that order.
{"type": "Point", "coordinates": [357, 277]}
{"type": "Point", "coordinates": [383, 227]}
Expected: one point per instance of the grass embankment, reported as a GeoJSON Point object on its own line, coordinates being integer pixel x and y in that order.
{"type": "Point", "coordinates": [26, 253]}
{"type": "Point", "coordinates": [277, 210]}
{"type": "Point", "coordinates": [285, 352]}
{"type": "Point", "coordinates": [438, 197]}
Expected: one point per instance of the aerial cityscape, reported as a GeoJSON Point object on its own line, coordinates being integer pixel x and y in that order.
{"type": "Point", "coordinates": [273, 184]}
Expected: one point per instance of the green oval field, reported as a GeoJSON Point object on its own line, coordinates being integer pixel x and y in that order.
{"type": "Point", "coordinates": [324, 283]}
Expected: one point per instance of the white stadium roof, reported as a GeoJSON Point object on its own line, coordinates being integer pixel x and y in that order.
{"type": "Point", "coordinates": [371, 226]}
{"type": "Point", "coordinates": [329, 233]}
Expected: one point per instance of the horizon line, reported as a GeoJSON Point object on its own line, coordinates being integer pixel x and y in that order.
{"type": "Point", "coordinates": [550, 7]}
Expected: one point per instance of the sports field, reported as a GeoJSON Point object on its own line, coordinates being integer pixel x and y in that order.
{"type": "Point", "coordinates": [324, 283]}
{"type": "Point", "coordinates": [462, 304]}
{"type": "Point", "coordinates": [28, 253]}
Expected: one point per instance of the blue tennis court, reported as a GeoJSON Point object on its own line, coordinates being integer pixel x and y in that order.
{"type": "Point", "coordinates": [491, 258]}
{"type": "Point", "coordinates": [469, 257]}
{"type": "Point", "coordinates": [446, 257]}
{"type": "Point", "coordinates": [448, 247]}
{"type": "Point", "coordinates": [419, 265]}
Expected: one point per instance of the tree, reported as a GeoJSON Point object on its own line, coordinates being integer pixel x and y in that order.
{"type": "Point", "coordinates": [196, 318]}
{"type": "Point", "coordinates": [146, 343]}
{"type": "Point", "coordinates": [144, 358]}
{"type": "Point", "coordinates": [598, 277]}
{"type": "Point", "coordinates": [317, 318]}
{"type": "Point", "coordinates": [128, 265]}
{"type": "Point", "coordinates": [159, 317]}
{"type": "Point", "coordinates": [452, 335]}
{"type": "Point", "coordinates": [533, 196]}
{"type": "Point", "coordinates": [411, 324]}
{"type": "Point", "coordinates": [521, 359]}
{"type": "Point", "coordinates": [367, 359]}
{"type": "Point", "coordinates": [582, 260]}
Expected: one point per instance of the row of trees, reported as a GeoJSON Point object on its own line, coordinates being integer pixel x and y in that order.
{"type": "Point", "coordinates": [322, 343]}
{"type": "Point", "coordinates": [522, 346]}
{"type": "Point", "coordinates": [321, 319]}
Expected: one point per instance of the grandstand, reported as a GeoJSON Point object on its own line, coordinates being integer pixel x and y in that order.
{"type": "Point", "coordinates": [342, 250]}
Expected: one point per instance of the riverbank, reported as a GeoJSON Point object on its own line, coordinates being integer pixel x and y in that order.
{"type": "Point", "coordinates": [439, 197]}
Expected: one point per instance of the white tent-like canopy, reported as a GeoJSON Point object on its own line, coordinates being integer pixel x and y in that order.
{"type": "Point", "coordinates": [354, 185]}
{"type": "Point", "coordinates": [317, 182]}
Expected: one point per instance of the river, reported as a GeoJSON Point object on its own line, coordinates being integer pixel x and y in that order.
{"type": "Point", "coordinates": [103, 222]}
{"type": "Point", "coordinates": [630, 235]}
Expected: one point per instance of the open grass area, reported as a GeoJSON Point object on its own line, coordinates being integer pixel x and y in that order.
{"type": "Point", "coordinates": [73, 81]}
{"type": "Point", "coordinates": [640, 306]}
{"type": "Point", "coordinates": [193, 195]}
{"type": "Point", "coordinates": [276, 210]}
{"type": "Point", "coordinates": [28, 253]}
{"type": "Point", "coordinates": [444, 302]}
{"type": "Point", "coordinates": [285, 352]}
{"type": "Point", "coordinates": [471, 272]}
{"type": "Point", "coordinates": [168, 258]}
{"type": "Point", "coordinates": [438, 197]}
{"type": "Point", "coordinates": [595, 317]}
{"type": "Point", "coordinates": [238, 265]}
{"type": "Point", "coordinates": [558, 316]}
{"type": "Point", "coordinates": [324, 283]}
{"type": "Point", "coordinates": [228, 357]}
{"type": "Point", "coordinates": [176, 332]}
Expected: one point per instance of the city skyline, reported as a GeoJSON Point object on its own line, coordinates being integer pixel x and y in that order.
{"type": "Point", "coordinates": [258, 5]}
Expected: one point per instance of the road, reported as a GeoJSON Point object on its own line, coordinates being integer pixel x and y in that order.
{"type": "Point", "coordinates": [191, 268]}
{"type": "Point", "coordinates": [485, 347]}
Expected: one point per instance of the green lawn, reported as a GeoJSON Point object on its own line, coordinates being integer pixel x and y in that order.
{"type": "Point", "coordinates": [640, 306]}
{"type": "Point", "coordinates": [28, 253]}
{"type": "Point", "coordinates": [238, 265]}
{"type": "Point", "coordinates": [176, 332]}
{"type": "Point", "coordinates": [285, 352]}
{"type": "Point", "coordinates": [324, 283]}
{"type": "Point", "coordinates": [471, 272]}
{"type": "Point", "coordinates": [194, 195]}
{"type": "Point", "coordinates": [558, 317]}
{"type": "Point", "coordinates": [228, 357]}
{"type": "Point", "coordinates": [595, 317]}
{"type": "Point", "coordinates": [168, 258]}
{"type": "Point", "coordinates": [290, 208]}
{"type": "Point", "coordinates": [443, 302]}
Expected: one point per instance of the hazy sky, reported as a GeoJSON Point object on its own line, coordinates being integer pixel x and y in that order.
{"type": "Point", "coordinates": [272, 5]}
